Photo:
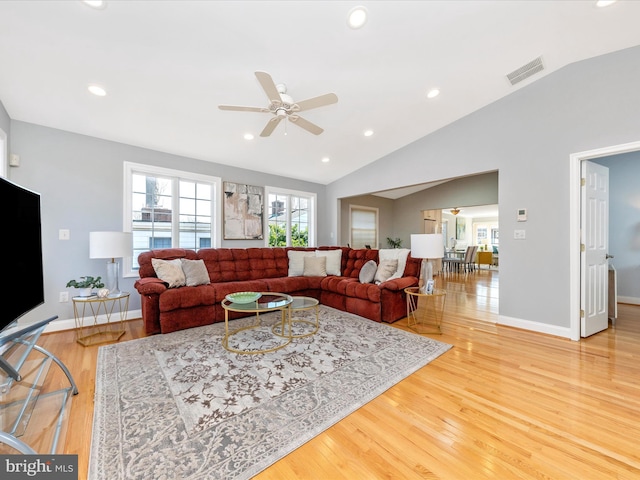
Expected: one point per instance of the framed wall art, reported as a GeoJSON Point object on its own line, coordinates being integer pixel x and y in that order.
{"type": "Point", "coordinates": [243, 211]}
{"type": "Point", "coordinates": [461, 226]}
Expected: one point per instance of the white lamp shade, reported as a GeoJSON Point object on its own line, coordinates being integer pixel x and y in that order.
{"type": "Point", "coordinates": [110, 244]}
{"type": "Point", "coordinates": [427, 245]}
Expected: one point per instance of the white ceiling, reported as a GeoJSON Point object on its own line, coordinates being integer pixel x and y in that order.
{"type": "Point", "coordinates": [167, 65]}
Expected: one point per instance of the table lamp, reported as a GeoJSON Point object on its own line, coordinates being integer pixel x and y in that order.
{"type": "Point", "coordinates": [427, 246]}
{"type": "Point", "coordinates": [110, 245]}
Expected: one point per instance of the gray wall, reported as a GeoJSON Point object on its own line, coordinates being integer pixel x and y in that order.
{"type": "Point", "coordinates": [386, 212]}
{"type": "Point", "coordinates": [528, 138]}
{"type": "Point", "coordinates": [402, 217]}
{"type": "Point", "coordinates": [464, 192]}
{"type": "Point", "coordinates": [80, 180]}
{"type": "Point", "coordinates": [624, 222]}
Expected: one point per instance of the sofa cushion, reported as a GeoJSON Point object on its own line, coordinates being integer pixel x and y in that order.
{"type": "Point", "coordinates": [187, 297]}
{"type": "Point", "coordinates": [356, 258]}
{"type": "Point", "coordinates": [195, 272]}
{"type": "Point", "coordinates": [293, 285]}
{"type": "Point", "coordinates": [399, 254]}
{"type": "Point", "coordinates": [334, 260]}
{"type": "Point", "coordinates": [385, 270]}
{"type": "Point", "coordinates": [296, 261]}
{"type": "Point", "coordinates": [239, 264]}
{"type": "Point", "coordinates": [368, 272]}
{"type": "Point", "coordinates": [169, 271]}
{"type": "Point", "coordinates": [315, 267]}
{"type": "Point", "coordinates": [222, 289]}
{"type": "Point", "coordinates": [144, 259]}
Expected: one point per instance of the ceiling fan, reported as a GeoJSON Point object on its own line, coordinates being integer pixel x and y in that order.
{"type": "Point", "coordinates": [283, 107]}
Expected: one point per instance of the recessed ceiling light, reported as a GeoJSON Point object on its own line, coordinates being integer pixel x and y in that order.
{"type": "Point", "coordinates": [97, 4]}
{"type": "Point", "coordinates": [368, 133]}
{"type": "Point", "coordinates": [248, 136]}
{"type": "Point", "coordinates": [96, 90]}
{"type": "Point", "coordinates": [357, 17]}
{"type": "Point", "coordinates": [433, 93]}
{"type": "Point", "coordinates": [605, 3]}
{"type": "Point", "coordinates": [326, 160]}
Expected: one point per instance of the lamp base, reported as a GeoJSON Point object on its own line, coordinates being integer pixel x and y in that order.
{"type": "Point", "coordinates": [426, 277]}
{"type": "Point", "coordinates": [113, 274]}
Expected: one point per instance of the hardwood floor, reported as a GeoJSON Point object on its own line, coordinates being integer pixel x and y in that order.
{"type": "Point", "coordinates": [502, 403]}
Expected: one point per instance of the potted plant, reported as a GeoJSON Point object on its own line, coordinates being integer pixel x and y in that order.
{"type": "Point", "coordinates": [394, 242]}
{"type": "Point", "coordinates": [86, 285]}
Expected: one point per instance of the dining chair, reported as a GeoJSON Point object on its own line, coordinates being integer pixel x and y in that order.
{"type": "Point", "coordinates": [459, 263]}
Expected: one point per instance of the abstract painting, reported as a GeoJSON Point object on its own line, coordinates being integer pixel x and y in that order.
{"type": "Point", "coordinates": [243, 211]}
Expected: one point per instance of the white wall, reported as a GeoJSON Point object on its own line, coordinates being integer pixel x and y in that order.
{"type": "Point", "coordinates": [528, 137]}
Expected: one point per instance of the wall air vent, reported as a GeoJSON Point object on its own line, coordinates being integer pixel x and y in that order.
{"type": "Point", "coordinates": [531, 68]}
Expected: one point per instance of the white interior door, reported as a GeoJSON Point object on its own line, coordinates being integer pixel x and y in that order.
{"type": "Point", "coordinates": [594, 258]}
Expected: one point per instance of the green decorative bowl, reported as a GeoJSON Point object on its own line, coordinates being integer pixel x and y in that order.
{"type": "Point", "coordinates": [243, 297]}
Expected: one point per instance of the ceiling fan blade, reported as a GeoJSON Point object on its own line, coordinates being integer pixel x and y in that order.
{"type": "Point", "coordinates": [271, 126]}
{"type": "Point", "coordinates": [237, 108]}
{"type": "Point", "coordinates": [321, 101]}
{"type": "Point", "coordinates": [268, 86]}
{"type": "Point", "coordinates": [306, 124]}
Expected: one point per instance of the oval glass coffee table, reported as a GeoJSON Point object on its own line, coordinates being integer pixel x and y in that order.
{"type": "Point", "coordinates": [258, 343]}
{"type": "Point", "coordinates": [300, 304]}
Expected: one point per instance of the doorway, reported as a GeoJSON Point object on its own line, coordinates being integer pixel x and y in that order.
{"type": "Point", "coordinates": [575, 209]}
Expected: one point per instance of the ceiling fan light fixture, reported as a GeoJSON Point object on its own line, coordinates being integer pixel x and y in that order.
{"type": "Point", "coordinates": [357, 17]}
{"type": "Point", "coordinates": [97, 4]}
{"type": "Point", "coordinates": [248, 136]}
{"type": "Point", "coordinates": [97, 90]}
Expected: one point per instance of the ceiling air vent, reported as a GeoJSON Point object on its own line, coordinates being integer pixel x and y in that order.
{"type": "Point", "coordinates": [531, 68]}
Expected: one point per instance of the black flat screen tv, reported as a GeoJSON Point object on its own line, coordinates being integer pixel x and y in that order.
{"type": "Point", "coordinates": [23, 282]}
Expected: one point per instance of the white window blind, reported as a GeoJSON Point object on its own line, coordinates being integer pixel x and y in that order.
{"type": "Point", "coordinates": [364, 227]}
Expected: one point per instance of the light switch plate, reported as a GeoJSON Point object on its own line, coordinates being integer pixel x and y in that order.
{"type": "Point", "coordinates": [519, 234]}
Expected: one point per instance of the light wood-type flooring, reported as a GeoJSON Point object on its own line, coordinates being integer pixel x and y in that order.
{"type": "Point", "coordinates": [502, 403]}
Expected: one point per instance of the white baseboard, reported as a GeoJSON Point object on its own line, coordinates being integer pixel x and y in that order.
{"type": "Point", "coordinates": [535, 326]}
{"type": "Point", "coordinates": [629, 300]}
{"type": "Point", "coordinates": [70, 323]}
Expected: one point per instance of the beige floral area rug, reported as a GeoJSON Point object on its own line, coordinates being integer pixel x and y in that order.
{"type": "Point", "coordinates": [180, 406]}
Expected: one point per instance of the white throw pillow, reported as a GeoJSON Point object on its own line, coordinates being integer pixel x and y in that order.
{"type": "Point", "coordinates": [368, 272]}
{"type": "Point", "coordinates": [399, 254]}
{"type": "Point", "coordinates": [195, 272]}
{"type": "Point", "coordinates": [169, 271]}
{"type": "Point", "coordinates": [315, 267]}
{"type": "Point", "coordinates": [385, 270]}
{"type": "Point", "coordinates": [296, 261]}
{"type": "Point", "coordinates": [334, 260]}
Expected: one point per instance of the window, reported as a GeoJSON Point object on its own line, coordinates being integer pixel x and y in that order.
{"type": "Point", "coordinates": [495, 236]}
{"type": "Point", "coordinates": [481, 237]}
{"type": "Point", "coordinates": [167, 208]}
{"type": "Point", "coordinates": [291, 218]}
{"type": "Point", "coordinates": [364, 227]}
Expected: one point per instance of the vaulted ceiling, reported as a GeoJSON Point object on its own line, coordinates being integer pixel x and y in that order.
{"type": "Point", "coordinates": [166, 66]}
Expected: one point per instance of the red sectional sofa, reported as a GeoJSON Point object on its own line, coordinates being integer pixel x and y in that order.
{"type": "Point", "coordinates": [265, 269]}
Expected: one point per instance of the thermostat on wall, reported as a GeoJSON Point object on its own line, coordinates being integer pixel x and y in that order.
{"type": "Point", "coordinates": [522, 214]}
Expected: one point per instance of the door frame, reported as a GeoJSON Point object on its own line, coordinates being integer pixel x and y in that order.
{"type": "Point", "coordinates": [575, 206]}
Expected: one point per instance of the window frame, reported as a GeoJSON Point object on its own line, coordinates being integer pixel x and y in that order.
{"type": "Point", "coordinates": [4, 154]}
{"type": "Point", "coordinates": [129, 168]}
{"type": "Point", "coordinates": [312, 214]}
